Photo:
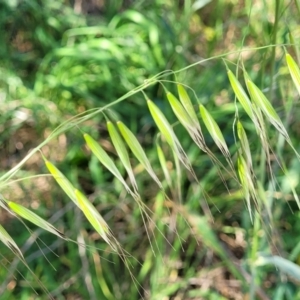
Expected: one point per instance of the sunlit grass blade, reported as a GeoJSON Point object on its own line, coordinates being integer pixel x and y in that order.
{"type": "Point", "coordinates": [95, 218]}
{"type": "Point", "coordinates": [162, 124]}
{"type": "Point", "coordinates": [247, 183]}
{"type": "Point", "coordinates": [215, 132]}
{"type": "Point", "coordinates": [64, 183]}
{"type": "Point", "coordinates": [193, 128]}
{"type": "Point", "coordinates": [27, 214]}
{"type": "Point", "coordinates": [137, 150]}
{"type": "Point", "coordinates": [122, 152]}
{"type": "Point", "coordinates": [180, 111]}
{"type": "Point", "coordinates": [167, 131]}
{"type": "Point", "coordinates": [241, 94]}
{"type": "Point", "coordinates": [294, 71]}
{"type": "Point", "coordinates": [103, 157]}
{"type": "Point", "coordinates": [244, 144]}
{"type": "Point", "coordinates": [244, 178]}
{"type": "Point", "coordinates": [163, 164]}
{"type": "Point", "coordinates": [81, 201]}
{"type": "Point", "coordinates": [187, 103]}
{"type": "Point", "coordinates": [8, 241]}
{"type": "Point", "coordinates": [263, 103]}
{"type": "Point", "coordinates": [266, 107]}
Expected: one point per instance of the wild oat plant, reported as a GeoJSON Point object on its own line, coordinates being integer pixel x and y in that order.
{"type": "Point", "coordinates": [255, 175]}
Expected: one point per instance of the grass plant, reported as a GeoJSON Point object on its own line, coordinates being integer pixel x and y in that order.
{"type": "Point", "coordinates": [185, 186]}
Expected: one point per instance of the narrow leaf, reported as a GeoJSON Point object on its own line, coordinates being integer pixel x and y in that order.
{"type": "Point", "coordinates": [180, 112]}
{"type": "Point", "coordinates": [167, 131]}
{"type": "Point", "coordinates": [263, 103]}
{"type": "Point", "coordinates": [122, 152]}
{"type": "Point", "coordinates": [34, 218]}
{"type": "Point", "coordinates": [193, 128]}
{"type": "Point", "coordinates": [187, 103]}
{"type": "Point", "coordinates": [162, 124]}
{"type": "Point", "coordinates": [137, 150]}
{"type": "Point", "coordinates": [245, 182]}
{"type": "Point", "coordinates": [105, 160]}
{"type": "Point", "coordinates": [64, 183]}
{"type": "Point", "coordinates": [7, 240]}
{"type": "Point", "coordinates": [163, 164]}
{"type": "Point", "coordinates": [214, 130]}
{"type": "Point", "coordinates": [294, 71]}
{"type": "Point", "coordinates": [282, 264]}
{"type": "Point", "coordinates": [94, 217]}
{"type": "Point", "coordinates": [245, 144]}
{"type": "Point", "coordinates": [240, 94]}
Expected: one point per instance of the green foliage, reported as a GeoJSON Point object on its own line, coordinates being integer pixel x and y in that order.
{"type": "Point", "coordinates": [154, 214]}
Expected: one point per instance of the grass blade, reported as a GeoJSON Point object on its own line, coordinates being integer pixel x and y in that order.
{"type": "Point", "coordinates": [240, 94]}
{"type": "Point", "coordinates": [187, 103]}
{"type": "Point", "coordinates": [214, 131]}
{"type": "Point", "coordinates": [263, 103]}
{"type": "Point", "coordinates": [294, 71]}
{"type": "Point", "coordinates": [246, 182]}
{"type": "Point", "coordinates": [282, 264]}
{"type": "Point", "coordinates": [122, 152]}
{"type": "Point", "coordinates": [64, 183]}
{"type": "Point", "coordinates": [162, 124]}
{"type": "Point", "coordinates": [180, 112]}
{"type": "Point", "coordinates": [163, 164]}
{"type": "Point", "coordinates": [137, 150]}
{"type": "Point", "coordinates": [167, 131]}
{"type": "Point", "coordinates": [105, 160]}
{"type": "Point", "coordinates": [94, 218]}
{"type": "Point", "coordinates": [8, 241]}
{"type": "Point", "coordinates": [192, 127]}
{"type": "Point", "coordinates": [245, 144]}
{"type": "Point", "coordinates": [27, 214]}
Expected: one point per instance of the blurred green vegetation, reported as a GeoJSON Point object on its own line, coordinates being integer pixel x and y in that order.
{"type": "Point", "coordinates": [60, 58]}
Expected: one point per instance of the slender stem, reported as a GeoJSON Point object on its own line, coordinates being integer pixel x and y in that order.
{"type": "Point", "coordinates": [275, 30]}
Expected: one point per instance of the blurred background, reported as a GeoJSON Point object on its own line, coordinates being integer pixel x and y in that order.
{"type": "Point", "coordinates": [60, 58]}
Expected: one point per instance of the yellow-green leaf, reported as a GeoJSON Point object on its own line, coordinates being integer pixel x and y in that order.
{"type": "Point", "coordinates": [214, 130]}
{"type": "Point", "coordinates": [122, 152]}
{"type": "Point", "coordinates": [105, 160]}
{"type": "Point", "coordinates": [245, 181]}
{"type": "Point", "coordinates": [8, 241]}
{"type": "Point", "coordinates": [34, 218]}
{"type": "Point", "coordinates": [187, 103]}
{"type": "Point", "coordinates": [167, 131]}
{"type": "Point", "coordinates": [163, 164]}
{"type": "Point", "coordinates": [294, 71]}
{"type": "Point", "coordinates": [137, 150]}
{"type": "Point", "coordinates": [263, 103]}
{"type": "Point", "coordinates": [162, 124]}
{"type": "Point", "coordinates": [240, 94]}
{"type": "Point", "coordinates": [192, 127]}
{"type": "Point", "coordinates": [180, 112]}
{"type": "Point", "coordinates": [244, 143]}
{"type": "Point", "coordinates": [64, 183]}
{"type": "Point", "coordinates": [94, 218]}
